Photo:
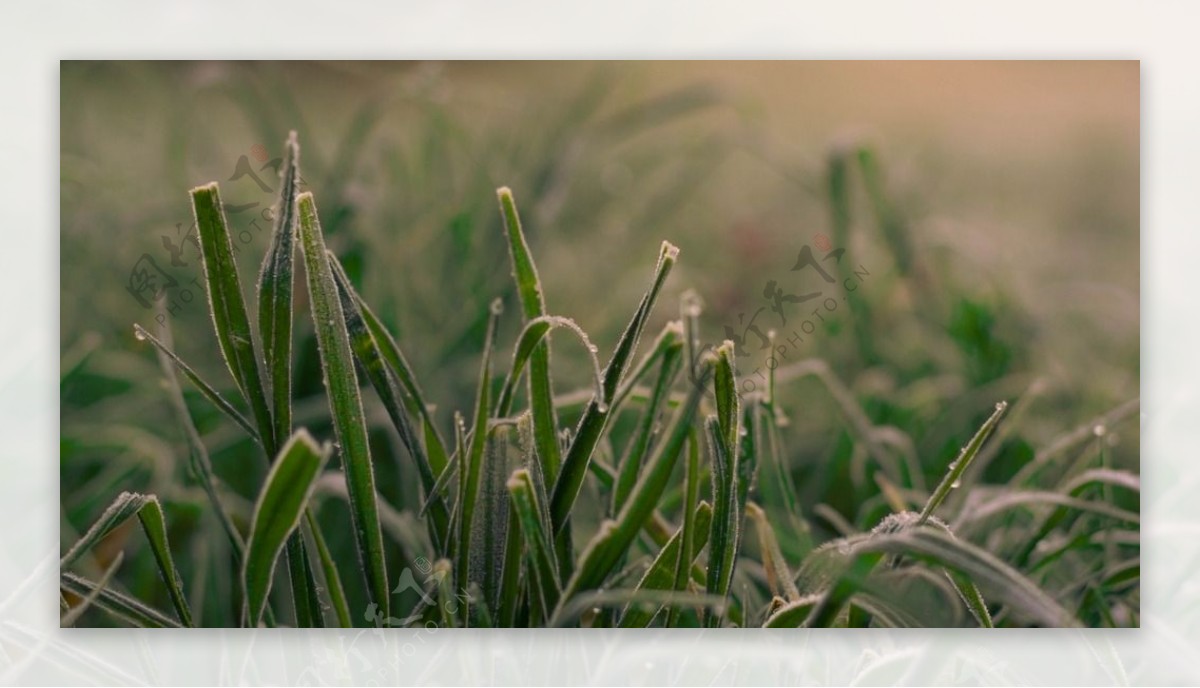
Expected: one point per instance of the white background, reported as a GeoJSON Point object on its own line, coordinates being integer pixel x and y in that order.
{"type": "Point", "coordinates": [1163, 35]}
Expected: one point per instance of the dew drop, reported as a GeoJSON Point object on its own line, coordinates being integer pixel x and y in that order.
{"type": "Point", "coordinates": [601, 407]}
{"type": "Point", "coordinates": [593, 348]}
{"type": "Point", "coordinates": [1100, 430]}
{"type": "Point", "coordinates": [956, 484]}
{"type": "Point", "coordinates": [138, 334]}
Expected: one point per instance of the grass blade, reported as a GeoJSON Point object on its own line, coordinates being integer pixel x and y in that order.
{"type": "Point", "coordinates": [123, 507]}
{"type": "Point", "coordinates": [595, 416]}
{"type": "Point", "coordinates": [542, 568]}
{"type": "Point", "coordinates": [533, 305]}
{"type": "Point", "coordinates": [281, 503]}
{"type": "Point", "coordinates": [366, 349]}
{"type": "Point", "coordinates": [275, 284]}
{"type": "Point", "coordinates": [954, 474]}
{"type": "Point", "coordinates": [528, 344]}
{"type": "Point", "coordinates": [472, 466]}
{"type": "Point", "coordinates": [631, 462]}
{"type": "Point", "coordinates": [333, 580]}
{"type": "Point", "coordinates": [341, 385]}
{"type": "Point", "coordinates": [779, 578]}
{"type": "Point", "coordinates": [228, 308]}
{"type": "Point", "coordinates": [661, 574]}
{"type": "Point", "coordinates": [605, 550]}
{"type": "Point", "coordinates": [67, 620]}
{"type": "Point", "coordinates": [1003, 583]}
{"type": "Point", "coordinates": [119, 605]}
{"type": "Point", "coordinates": [205, 389]}
{"type": "Point", "coordinates": [155, 527]}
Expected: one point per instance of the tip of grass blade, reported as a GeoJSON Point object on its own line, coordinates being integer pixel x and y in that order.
{"type": "Point", "coordinates": [209, 187]}
{"type": "Point", "coordinates": [725, 350]}
{"type": "Point", "coordinates": [668, 254]}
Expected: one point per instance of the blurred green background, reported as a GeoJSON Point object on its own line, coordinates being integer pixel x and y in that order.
{"type": "Point", "coordinates": [1013, 185]}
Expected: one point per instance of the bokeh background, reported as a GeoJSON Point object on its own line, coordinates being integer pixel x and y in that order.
{"type": "Point", "coordinates": [1013, 185]}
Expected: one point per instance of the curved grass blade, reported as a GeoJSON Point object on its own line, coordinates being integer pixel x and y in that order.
{"type": "Point", "coordinates": [596, 414]}
{"type": "Point", "coordinates": [1004, 584]}
{"type": "Point", "coordinates": [533, 305]}
{"type": "Point", "coordinates": [119, 605]}
{"type": "Point", "coordinates": [227, 307]}
{"type": "Point", "coordinates": [341, 383]}
{"type": "Point", "coordinates": [528, 344]}
{"type": "Point", "coordinates": [277, 513]}
{"type": "Point", "coordinates": [205, 389]}
{"type": "Point", "coordinates": [275, 284]}
{"type": "Point", "coordinates": [155, 526]}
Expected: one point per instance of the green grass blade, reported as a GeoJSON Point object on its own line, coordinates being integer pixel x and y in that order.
{"type": "Point", "coordinates": [1003, 583]}
{"type": "Point", "coordinates": [341, 386]}
{"type": "Point", "coordinates": [683, 567]}
{"type": "Point", "coordinates": [779, 578]}
{"type": "Point", "coordinates": [78, 610]}
{"type": "Point", "coordinates": [672, 333]}
{"type": "Point", "coordinates": [333, 580]}
{"type": "Point", "coordinates": [793, 614]}
{"type": "Point", "coordinates": [228, 308]}
{"type": "Point", "coordinates": [491, 520]}
{"type": "Point", "coordinates": [723, 539]}
{"type": "Point", "coordinates": [118, 604]}
{"type": "Point", "coordinates": [508, 596]}
{"type": "Point", "coordinates": [533, 305]}
{"type": "Point", "coordinates": [122, 509]}
{"type": "Point", "coordinates": [205, 389]}
{"type": "Point", "coordinates": [435, 446]}
{"type": "Point", "coordinates": [155, 526]}
{"type": "Point", "coordinates": [595, 416]}
{"type": "Point", "coordinates": [608, 546]}
{"type": "Point", "coordinates": [528, 344]}
{"type": "Point", "coordinates": [277, 513]}
{"type": "Point", "coordinates": [472, 466]}
{"type": "Point", "coordinates": [631, 462]}
{"type": "Point", "coordinates": [542, 567]}
{"type": "Point", "coordinates": [275, 284]}
{"type": "Point", "coordinates": [304, 584]}
{"type": "Point", "coordinates": [661, 574]}
{"type": "Point", "coordinates": [954, 473]}
{"type": "Point", "coordinates": [366, 349]}
{"type": "Point", "coordinates": [728, 409]}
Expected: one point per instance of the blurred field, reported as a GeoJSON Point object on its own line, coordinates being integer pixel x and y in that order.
{"type": "Point", "coordinates": [1016, 185]}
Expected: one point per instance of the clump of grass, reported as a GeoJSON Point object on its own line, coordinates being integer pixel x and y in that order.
{"type": "Point", "coordinates": [628, 511]}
